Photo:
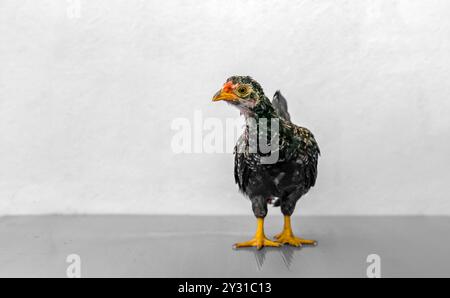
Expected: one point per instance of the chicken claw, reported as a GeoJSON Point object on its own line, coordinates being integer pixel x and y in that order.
{"type": "Point", "coordinates": [260, 240]}
{"type": "Point", "coordinates": [287, 236]}
{"type": "Point", "coordinates": [259, 243]}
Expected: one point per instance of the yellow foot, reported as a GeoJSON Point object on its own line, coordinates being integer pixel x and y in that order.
{"type": "Point", "coordinates": [289, 238]}
{"type": "Point", "coordinates": [259, 243]}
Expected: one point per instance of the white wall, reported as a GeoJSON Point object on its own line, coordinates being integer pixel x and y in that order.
{"type": "Point", "coordinates": [86, 104]}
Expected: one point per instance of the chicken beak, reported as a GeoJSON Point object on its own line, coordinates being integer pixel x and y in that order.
{"type": "Point", "coordinates": [223, 95]}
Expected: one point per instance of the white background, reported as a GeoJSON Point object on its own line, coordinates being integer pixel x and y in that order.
{"type": "Point", "coordinates": [87, 103]}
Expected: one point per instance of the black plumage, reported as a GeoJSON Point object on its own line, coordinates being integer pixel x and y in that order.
{"type": "Point", "coordinates": [287, 180]}
{"type": "Point", "coordinates": [284, 182]}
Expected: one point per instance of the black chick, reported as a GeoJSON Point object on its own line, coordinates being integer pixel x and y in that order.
{"type": "Point", "coordinates": [281, 176]}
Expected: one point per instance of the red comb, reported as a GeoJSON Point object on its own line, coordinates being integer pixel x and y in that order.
{"type": "Point", "coordinates": [228, 86]}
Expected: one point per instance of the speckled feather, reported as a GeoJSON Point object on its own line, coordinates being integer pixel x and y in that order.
{"type": "Point", "coordinates": [296, 170]}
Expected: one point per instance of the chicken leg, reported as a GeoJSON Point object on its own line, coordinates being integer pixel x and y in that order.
{"type": "Point", "coordinates": [260, 240]}
{"type": "Point", "coordinates": [287, 236]}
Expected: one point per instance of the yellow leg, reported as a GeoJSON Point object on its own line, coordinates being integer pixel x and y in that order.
{"type": "Point", "coordinates": [260, 240]}
{"type": "Point", "coordinates": [287, 236]}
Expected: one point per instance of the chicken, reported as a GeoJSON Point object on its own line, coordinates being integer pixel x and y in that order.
{"type": "Point", "coordinates": [281, 182]}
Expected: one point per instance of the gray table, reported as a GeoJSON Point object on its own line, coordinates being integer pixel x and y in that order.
{"type": "Point", "coordinates": [183, 246]}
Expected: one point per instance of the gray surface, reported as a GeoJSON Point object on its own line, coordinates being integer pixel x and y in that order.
{"type": "Point", "coordinates": [176, 246]}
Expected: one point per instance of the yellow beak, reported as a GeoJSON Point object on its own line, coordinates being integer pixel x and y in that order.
{"type": "Point", "coordinates": [222, 95]}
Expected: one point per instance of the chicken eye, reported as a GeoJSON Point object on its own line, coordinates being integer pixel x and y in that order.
{"type": "Point", "coordinates": [243, 90]}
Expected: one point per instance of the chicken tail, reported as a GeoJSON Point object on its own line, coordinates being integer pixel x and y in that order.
{"type": "Point", "coordinates": [280, 105]}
